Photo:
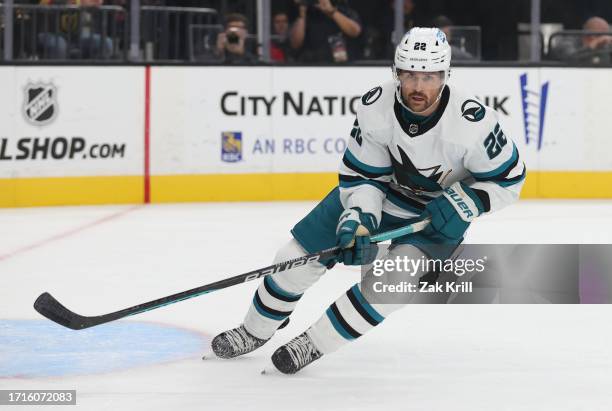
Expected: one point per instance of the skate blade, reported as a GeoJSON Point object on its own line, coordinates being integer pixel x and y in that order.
{"type": "Point", "coordinates": [209, 355]}
{"type": "Point", "coordinates": [270, 369]}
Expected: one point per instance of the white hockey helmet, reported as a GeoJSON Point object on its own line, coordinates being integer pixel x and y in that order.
{"type": "Point", "coordinates": [422, 49]}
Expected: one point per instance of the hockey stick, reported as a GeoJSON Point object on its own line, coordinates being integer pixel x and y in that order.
{"type": "Point", "coordinates": [49, 307]}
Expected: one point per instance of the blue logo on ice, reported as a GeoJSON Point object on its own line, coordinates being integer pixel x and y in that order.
{"type": "Point", "coordinates": [534, 110]}
{"type": "Point", "coordinates": [231, 146]}
{"type": "Point", "coordinates": [40, 348]}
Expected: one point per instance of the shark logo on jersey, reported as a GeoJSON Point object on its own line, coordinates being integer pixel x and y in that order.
{"type": "Point", "coordinates": [408, 176]}
{"type": "Point", "coordinates": [472, 110]}
{"type": "Point", "coordinates": [534, 110]}
{"type": "Point", "coordinates": [371, 96]}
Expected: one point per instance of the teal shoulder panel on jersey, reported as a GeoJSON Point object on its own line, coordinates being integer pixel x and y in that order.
{"type": "Point", "coordinates": [503, 168]}
{"type": "Point", "coordinates": [368, 170]}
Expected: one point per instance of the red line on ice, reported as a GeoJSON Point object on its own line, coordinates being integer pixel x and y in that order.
{"type": "Point", "coordinates": [66, 234]}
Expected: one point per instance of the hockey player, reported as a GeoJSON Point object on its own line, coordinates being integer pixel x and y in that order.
{"type": "Point", "coordinates": [418, 148]}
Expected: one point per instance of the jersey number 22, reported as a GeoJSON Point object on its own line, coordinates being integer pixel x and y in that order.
{"type": "Point", "coordinates": [494, 143]}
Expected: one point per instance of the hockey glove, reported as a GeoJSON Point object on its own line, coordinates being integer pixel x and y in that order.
{"type": "Point", "coordinates": [353, 236]}
{"type": "Point", "coordinates": [451, 213]}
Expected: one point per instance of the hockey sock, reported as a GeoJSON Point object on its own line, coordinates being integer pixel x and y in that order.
{"type": "Point", "coordinates": [347, 319]}
{"type": "Point", "coordinates": [278, 294]}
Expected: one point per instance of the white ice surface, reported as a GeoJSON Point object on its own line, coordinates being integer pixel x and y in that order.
{"type": "Point", "coordinates": [456, 357]}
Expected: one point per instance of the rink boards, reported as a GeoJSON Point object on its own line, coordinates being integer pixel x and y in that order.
{"type": "Point", "coordinates": [94, 135]}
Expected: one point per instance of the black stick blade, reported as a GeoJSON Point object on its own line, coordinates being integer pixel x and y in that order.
{"type": "Point", "coordinates": [49, 307]}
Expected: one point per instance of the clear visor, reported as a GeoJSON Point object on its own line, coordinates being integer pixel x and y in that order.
{"type": "Point", "coordinates": [421, 80]}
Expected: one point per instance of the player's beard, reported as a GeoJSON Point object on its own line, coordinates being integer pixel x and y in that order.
{"type": "Point", "coordinates": [424, 104]}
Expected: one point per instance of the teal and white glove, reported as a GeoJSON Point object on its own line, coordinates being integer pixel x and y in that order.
{"type": "Point", "coordinates": [353, 236]}
{"type": "Point", "coordinates": [451, 213]}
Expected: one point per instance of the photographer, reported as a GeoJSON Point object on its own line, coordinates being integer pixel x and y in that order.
{"type": "Point", "coordinates": [323, 31]}
{"type": "Point", "coordinates": [231, 43]}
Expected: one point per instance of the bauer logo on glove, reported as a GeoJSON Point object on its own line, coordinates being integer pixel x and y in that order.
{"type": "Point", "coordinates": [465, 206]}
{"type": "Point", "coordinates": [451, 213]}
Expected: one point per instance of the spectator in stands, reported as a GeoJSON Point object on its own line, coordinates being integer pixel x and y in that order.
{"type": "Point", "coordinates": [445, 24]}
{"type": "Point", "coordinates": [596, 49]}
{"type": "Point", "coordinates": [231, 42]}
{"type": "Point", "coordinates": [386, 25]}
{"type": "Point", "coordinates": [78, 30]}
{"type": "Point", "coordinates": [325, 31]}
{"type": "Point", "coordinates": [280, 50]}
{"type": "Point", "coordinates": [596, 24]}
{"type": "Point", "coordinates": [53, 45]}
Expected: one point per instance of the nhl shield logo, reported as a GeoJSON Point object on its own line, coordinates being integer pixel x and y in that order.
{"type": "Point", "coordinates": [40, 103]}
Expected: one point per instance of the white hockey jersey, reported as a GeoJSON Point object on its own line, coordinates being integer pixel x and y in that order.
{"type": "Point", "coordinates": [395, 165]}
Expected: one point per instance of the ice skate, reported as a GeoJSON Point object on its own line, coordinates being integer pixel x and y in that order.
{"type": "Point", "coordinates": [295, 355]}
{"type": "Point", "coordinates": [235, 342]}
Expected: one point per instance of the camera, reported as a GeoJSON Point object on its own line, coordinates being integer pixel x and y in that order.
{"type": "Point", "coordinates": [232, 37]}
